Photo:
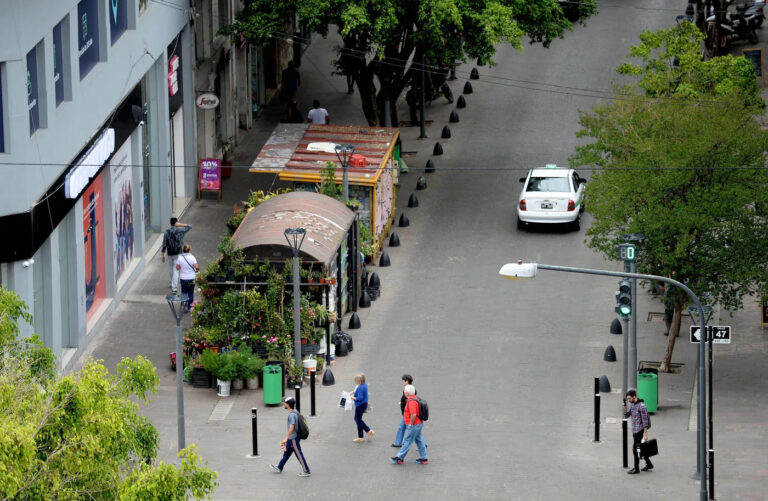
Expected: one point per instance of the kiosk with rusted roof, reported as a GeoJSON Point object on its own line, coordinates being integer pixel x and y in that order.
{"type": "Point", "coordinates": [291, 153]}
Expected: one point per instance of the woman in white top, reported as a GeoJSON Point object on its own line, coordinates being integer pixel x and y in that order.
{"type": "Point", "coordinates": [187, 266]}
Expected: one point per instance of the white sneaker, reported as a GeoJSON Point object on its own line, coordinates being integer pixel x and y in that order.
{"type": "Point", "coordinates": [275, 469]}
{"type": "Point", "coordinates": [304, 474]}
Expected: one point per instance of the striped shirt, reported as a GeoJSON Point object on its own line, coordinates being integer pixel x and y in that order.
{"type": "Point", "coordinates": [638, 415]}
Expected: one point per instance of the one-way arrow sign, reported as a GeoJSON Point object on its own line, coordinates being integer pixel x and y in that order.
{"type": "Point", "coordinates": [721, 334]}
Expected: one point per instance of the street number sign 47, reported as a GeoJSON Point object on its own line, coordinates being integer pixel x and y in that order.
{"type": "Point", "coordinates": [721, 334]}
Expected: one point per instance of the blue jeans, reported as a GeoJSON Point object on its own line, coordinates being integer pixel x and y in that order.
{"type": "Point", "coordinates": [188, 289]}
{"type": "Point", "coordinates": [292, 447]}
{"type": "Point", "coordinates": [413, 434]}
{"type": "Point", "coordinates": [361, 426]}
{"type": "Point", "coordinates": [400, 432]}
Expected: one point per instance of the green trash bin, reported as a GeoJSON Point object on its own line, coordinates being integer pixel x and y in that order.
{"type": "Point", "coordinates": [273, 384]}
{"type": "Point", "coordinates": [648, 388]}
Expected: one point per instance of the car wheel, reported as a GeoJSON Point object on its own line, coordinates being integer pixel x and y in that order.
{"type": "Point", "coordinates": [576, 224]}
{"type": "Point", "coordinates": [520, 224]}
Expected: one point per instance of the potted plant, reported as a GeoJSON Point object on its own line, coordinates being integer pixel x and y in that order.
{"type": "Point", "coordinates": [225, 374]}
{"type": "Point", "coordinates": [251, 370]}
{"type": "Point", "coordinates": [210, 361]}
{"type": "Point", "coordinates": [238, 360]}
{"type": "Point", "coordinates": [295, 374]}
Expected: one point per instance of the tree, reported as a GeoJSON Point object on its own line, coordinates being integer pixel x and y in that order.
{"type": "Point", "coordinates": [80, 436]}
{"type": "Point", "coordinates": [682, 161]}
{"type": "Point", "coordinates": [387, 40]}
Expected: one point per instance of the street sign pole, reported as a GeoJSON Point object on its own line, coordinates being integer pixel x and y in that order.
{"type": "Point", "coordinates": [711, 334]}
{"type": "Point", "coordinates": [633, 330]}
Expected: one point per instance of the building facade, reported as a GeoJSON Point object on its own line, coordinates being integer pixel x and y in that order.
{"type": "Point", "coordinates": [97, 151]}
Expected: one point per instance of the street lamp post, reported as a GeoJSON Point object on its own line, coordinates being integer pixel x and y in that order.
{"type": "Point", "coordinates": [295, 237]}
{"type": "Point", "coordinates": [344, 153]}
{"type": "Point", "coordinates": [178, 305]}
{"type": "Point", "coordinates": [521, 270]}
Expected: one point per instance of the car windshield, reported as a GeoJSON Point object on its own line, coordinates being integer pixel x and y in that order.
{"type": "Point", "coordinates": [548, 184]}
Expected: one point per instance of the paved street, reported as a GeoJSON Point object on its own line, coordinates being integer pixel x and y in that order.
{"type": "Point", "coordinates": [507, 367]}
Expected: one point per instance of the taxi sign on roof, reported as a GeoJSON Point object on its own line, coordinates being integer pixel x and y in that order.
{"type": "Point", "coordinates": [550, 166]}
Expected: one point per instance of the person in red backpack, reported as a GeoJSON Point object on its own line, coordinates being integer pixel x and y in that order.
{"type": "Point", "coordinates": [413, 426]}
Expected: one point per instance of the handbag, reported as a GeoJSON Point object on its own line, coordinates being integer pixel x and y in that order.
{"type": "Point", "coordinates": [649, 448]}
{"type": "Point", "coordinates": [343, 399]}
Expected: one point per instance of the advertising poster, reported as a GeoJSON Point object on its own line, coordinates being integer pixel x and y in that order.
{"type": "Point", "coordinates": [210, 174]}
{"type": "Point", "coordinates": [87, 35]}
{"type": "Point", "coordinates": [118, 18]}
{"type": "Point", "coordinates": [122, 207]}
{"type": "Point", "coordinates": [93, 232]}
{"type": "Point", "coordinates": [32, 108]}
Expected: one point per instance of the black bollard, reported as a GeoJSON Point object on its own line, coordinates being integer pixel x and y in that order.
{"type": "Point", "coordinates": [421, 183]}
{"type": "Point", "coordinates": [624, 451]}
{"type": "Point", "coordinates": [467, 88]}
{"type": "Point", "coordinates": [354, 321]}
{"type": "Point", "coordinates": [254, 434]}
{"type": "Point", "coordinates": [616, 327]}
{"type": "Point", "coordinates": [365, 302]}
{"type": "Point", "coordinates": [413, 201]}
{"type": "Point", "coordinates": [597, 409]}
{"type": "Point", "coordinates": [461, 102]}
{"type": "Point", "coordinates": [605, 385]}
{"type": "Point", "coordinates": [430, 167]}
{"type": "Point", "coordinates": [610, 354]}
{"type": "Point", "coordinates": [438, 149]}
{"type": "Point", "coordinates": [446, 134]}
{"type": "Point", "coordinates": [297, 389]}
{"type": "Point", "coordinates": [394, 240]}
{"type": "Point", "coordinates": [312, 392]}
{"type": "Point", "coordinates": [403, 221]}
{"type": "Point", "coordinates": [454, 118]}
{"type": "Point", "coordinates": [384, 260]}
{"type": "Point", "coordinates": [474, 74]}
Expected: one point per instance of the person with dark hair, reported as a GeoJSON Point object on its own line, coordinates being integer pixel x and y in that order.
{"type": "Point", "coordinates": [173, 242]}
{"type": "Point", "coordinates": [413, 428]}
{"type": "Point", "coordinates": [407, 379]}
{"type": "Point", "coordinates": [318, 115]}
{"type": "Point", "coordinates": [290, 82]}
{"type": "Point", "coordinates": [638, 415]}
{"type": "Point", "coordinates": [291, 443]}
{"type": "Point", "coordinates": [187, 267]}
{"type": "Point", "coordinates": [294, 114]}
{"type": "Point", "coordinates": [360, 397]}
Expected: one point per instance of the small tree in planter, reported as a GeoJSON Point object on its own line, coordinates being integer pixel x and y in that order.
{"type": "Point", "coordinates": [251, 371]}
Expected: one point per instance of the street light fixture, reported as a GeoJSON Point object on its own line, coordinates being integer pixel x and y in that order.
{"type": "Point", "coordinates": [178, 305]}
{"type": "Point", "coordinates": [521, 271]}
{"type": "Point", "coordinates": [295, 237]}
{"type": "Point", "coordinates": [344, 154]}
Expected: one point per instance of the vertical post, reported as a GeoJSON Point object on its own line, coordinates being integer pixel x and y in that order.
{"type": "Point", "coordinates": [254, 434]}
{"type": "Point", "coordinates": [180, 381]}
{"type": "Point", "coordinates": [387, 100]}
{"type": "Point", "coordinates": [597, 409]}
{"type": "Point", "coordinates": [633, 330]}
{"type": "Point", "coordinates": [702, 425]}
{"type": "Point", "coordinates": [312, 392]}
{"type": "Point", "coordinates": [624, 449]}
{"type": "Point", "coordinates": [296, 309]}
{"type": "Point", "coordinates": [711, 434]}
{"type": "Point", "coordinates": [422, 125]}
{"type": "Point", "coordinates": [297, 389]}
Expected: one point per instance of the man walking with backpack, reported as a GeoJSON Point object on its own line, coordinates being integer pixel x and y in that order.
{"type": "Point", "coordinates": [413, 425]}
{"type": "Point", "coordinates": [291, 443]}
{"type": "Point", "coordinates": [173, 242]}
{"type": "Point", "coordinates": [640, 421]}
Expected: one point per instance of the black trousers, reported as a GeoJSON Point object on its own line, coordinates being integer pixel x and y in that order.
{"type": "Point", "coordinates": [637, 440]}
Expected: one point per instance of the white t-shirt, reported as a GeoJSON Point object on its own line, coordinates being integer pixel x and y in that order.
{"type": "Point", "coordinates": [317, 115]}
{"type": "Point", "coordinates": [187, 262]}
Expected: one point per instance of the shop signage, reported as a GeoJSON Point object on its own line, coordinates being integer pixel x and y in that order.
{"type": "Point", "coordinates": [207, 101]}
{"type": "Point", "coordinates": [33, 110]}
{"type": "Point", "coordinates": [173, 80]}
{"type": "Point", "coordinates": [89, 164]}
{"type": "Point", "coordinates": [58, 81]}
{"type": "Point", "coordinates": [87, 35]}
{"type": "Point", "coordinates": [210, 176]}
{"type": "Point", "coordinates": [118, 18]}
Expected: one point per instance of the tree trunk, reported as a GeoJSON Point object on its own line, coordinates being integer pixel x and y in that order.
{"type": "Point", "coordinates": [673, 332]}
{"type": "Point", "coordinates": [367, 89]}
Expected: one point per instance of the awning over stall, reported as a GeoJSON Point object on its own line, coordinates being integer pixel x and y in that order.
{"type": "Point", "coordinates": [326, 220]}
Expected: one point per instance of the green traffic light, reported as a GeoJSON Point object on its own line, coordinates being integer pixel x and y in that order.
{"type": "Point", "coordinates": [625, 310]}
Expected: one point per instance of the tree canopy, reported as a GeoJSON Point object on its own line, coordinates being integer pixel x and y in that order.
{"type": "Point", "coordinates": [385, 40]}
{"type": "Point", "coordinates": [81, 436]}
{"type": "Point", "coordinates": [682, 160]}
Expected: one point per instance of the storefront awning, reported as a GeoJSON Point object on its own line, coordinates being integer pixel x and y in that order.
{"type": "Point", "coordinates": [326, 220]}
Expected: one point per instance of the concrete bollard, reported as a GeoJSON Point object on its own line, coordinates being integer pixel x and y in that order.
{"type": "Point", "coordinates": [394, 240]}
{"type": "Point", "coordinates": [413, 201]}
{"type": "Point", "coordinates": [610, 354]}
{"type": "Point", "coordinates": [446, 134]}
{"type": "Point", "coordinates": [365, 301]}
{"type": "Point", "coordinates": [467, 88]}
{"type": "Point", "coordinates": [354, 321]}
{"type": "Point", "coordinates": [384, 260]}
{"type": "Point", "coordinates": [474, 74]}
{"type": "Point", "coordinates": [430, 167]}
{"type": "Point", "coordinates": [421, 183]}
{"type": "Point", "coordinates": [438, 149]}
{"type": "Point", "coordinates": [404, 221]}
{"type": "Point", "coordinates": [461, 102]}
{"type": "Point", "coordinates": [454, 118]}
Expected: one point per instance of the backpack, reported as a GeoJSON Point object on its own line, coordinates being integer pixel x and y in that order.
{"type": "Point", "coordinates": [175, 241]}
{"type": "Point", "coordinates": [302, 428]}
{"type": "Point", "coordinates": [423, 409]}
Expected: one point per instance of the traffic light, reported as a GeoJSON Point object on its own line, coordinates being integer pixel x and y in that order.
{"type": "Point", "coordinates": [624, 298]}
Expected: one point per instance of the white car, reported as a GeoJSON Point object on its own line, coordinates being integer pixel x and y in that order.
{"type": "Point", "coordinates": [551, 195]}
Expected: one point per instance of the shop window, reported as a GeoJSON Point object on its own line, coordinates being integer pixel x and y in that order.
{"type": "Point", "coordinates": [62, 82]}
{"type": "Point", "coordinates": [35, 91]}
{"type": "Point", "coordinates": [117, 11]}
{"type": "Point", "coordinates": [87, 35]}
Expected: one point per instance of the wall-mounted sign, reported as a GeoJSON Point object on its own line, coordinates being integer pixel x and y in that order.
{"type": "Point", "coordinates": [118, 18]}
{"type": "Point", "coordinates": [175, 76]}
{"type": "Point", "coordinates": [207, 101]}
{"type": "Point", "coordinates": [33, 110]}
{"type": "Point", "coordinates": [89, 164]}
{"type": "Point", "coordinates": [210, 176]}
{"type": "Point", "coordinates": [173, 79]}
{"type": "Point", "coordinates": [58, 62]}
{"type": "Point", "coordinates": [87, 35]}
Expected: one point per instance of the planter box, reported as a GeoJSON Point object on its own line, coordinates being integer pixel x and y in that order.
{"type": "Point", "coordinates": [201, 378]}
{"type": "Point", "coordinates": [309, 349]}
